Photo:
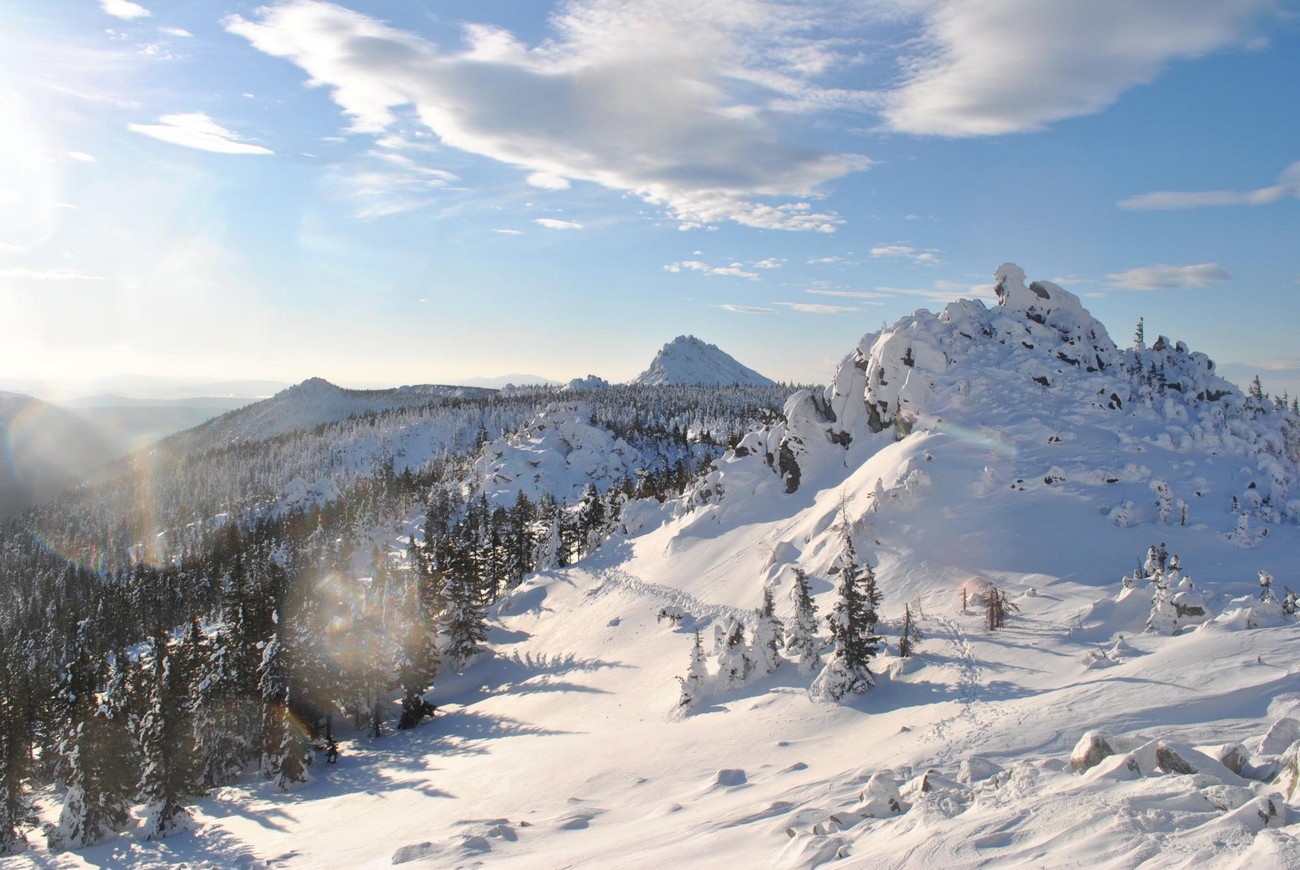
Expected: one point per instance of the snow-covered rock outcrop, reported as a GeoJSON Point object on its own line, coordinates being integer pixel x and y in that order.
{"type": "Point", "coordinates": [1038, 363]}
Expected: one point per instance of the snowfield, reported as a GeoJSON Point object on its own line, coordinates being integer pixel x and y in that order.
{"type": "Point", "coordinates": [954, 471]}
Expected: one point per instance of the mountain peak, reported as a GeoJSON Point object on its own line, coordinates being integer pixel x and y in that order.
{"type": "Point", "coordinates": [686, 360]}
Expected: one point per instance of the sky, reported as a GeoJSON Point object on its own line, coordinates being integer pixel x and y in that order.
{"type": "Point", "coordinates": [396, 191]}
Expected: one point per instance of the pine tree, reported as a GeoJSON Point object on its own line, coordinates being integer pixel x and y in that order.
{"type": "Point", "coordinates": [801, 635]}
{"type": "Point", "coordinates": [1139, 336]}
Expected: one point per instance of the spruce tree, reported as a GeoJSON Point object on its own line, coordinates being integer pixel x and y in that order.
{"type": "Point", "coordinates": [166, 743]}
{"type": "Point", "coordinates": [464, 626]}
{"type": "Point", "coordinates": [768, 633]}
{"type": "Point", "coordinates": [910, 635]}
{"type": "Point", "coordinates": [852, 627]}
{"type": "Point", "coordinates": [696, 675]}
{"type": "Point", "coordinates": [16, 700]}
{"type": "Point", "coordinates": [801, 634]}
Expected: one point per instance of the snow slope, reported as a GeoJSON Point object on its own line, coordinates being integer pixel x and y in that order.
{"type": "Point", "coordinates": [953, 469]}
{"type": "Point", "coordinates": [687, 361]}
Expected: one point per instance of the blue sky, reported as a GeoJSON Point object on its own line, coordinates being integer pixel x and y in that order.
{"type": "Point", "coordinates": [400, 192]}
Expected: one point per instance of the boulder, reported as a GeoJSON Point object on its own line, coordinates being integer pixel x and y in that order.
{"type": "Point", "coordinates": [1089, 751]}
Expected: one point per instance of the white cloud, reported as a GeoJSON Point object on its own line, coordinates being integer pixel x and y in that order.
{"type": "Point", "coordinates": [508, 232]}
{"type": "Point", "coordinates": [1168, 277]}
{"type": "Point", "coordinates": [20, 272]}
{"type": "Point", "coordinates": [124, 9]}
{"type": "Point", "coordinates": [82, 156]}
{"type": "Point", "coordinates": [746, 309]}
{"type": "Point", "coordinates": [175, 31]}
{"type": "Point", "coordinates": [735, 270]}
{"type": "Point", "coordinates": [770, 263]}
{"type": "Point", "coordinates": [1287, 186]}
{"type": "Point", "coordinates": [554, 224]}
{"type": "Point", "coordinates": [905, 252]}
{"type": "Point", "coordinates": [547, 181]}
{"type": "Point", "coordinates": [689, 106]}
{"type": "Point", "coordinates": [815, 261]}
{"type": "Point", "coordinates": [197, 130]}
{"type": "Point", "coordinates": [1008, 66]}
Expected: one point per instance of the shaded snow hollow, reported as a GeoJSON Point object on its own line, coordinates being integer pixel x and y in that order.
{"type": "Point", "coordinates": [688, 361]}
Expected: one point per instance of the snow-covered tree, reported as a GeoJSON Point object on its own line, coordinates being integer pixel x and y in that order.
{"type": "Point", "coordinates": [768, 633]}
{"type": "Point", "coordinates": [696, 675]}
{"type": "Point", "coordinates": [464, 621]}
{"type": "Point", "coordinates": [16, 699]}
{"type": "Point", "coordinates": [166, 743]}
{"type": "Point", "coordinates": [801, 639]}
{"type": "Point", "coordinates": [223, 718]}
{"type": "Point", "coordinates": [735, 657]}
{"type": "Point", "coordinates": [852, 626]}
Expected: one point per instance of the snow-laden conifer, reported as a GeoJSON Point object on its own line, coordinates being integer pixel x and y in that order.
{"type": "Point", "coordinates": [801, 639]}
{"type": "Point", "coordinates": [697, 675]}
{"type": "Point", "coordinates": [769, 633]}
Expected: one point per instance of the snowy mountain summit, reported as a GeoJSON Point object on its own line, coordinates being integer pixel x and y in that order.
{"type": "Point", "coordinates": [687, 361]}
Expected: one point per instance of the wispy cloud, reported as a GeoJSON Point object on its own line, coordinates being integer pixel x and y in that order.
{"type": "Point", "coordinates": [1009, 66]}
{"type": "Point", "coordinates": [902, 251]}
{"type": "Point", "coordinates": [556, 224]}
{"type": "Point", "coordinates": [735, 270]}
{"type": "Point", "coordinates": [175, 31]}
{"type": "Point", "coordinates": [1168, 277]}
{"type": "Point", "coordinates": [82, 156]}
{"type": "Point", "coordinates": [20, 272]}
{"type": "Point", "coordinates": [1287, 186]}
{"type": "Point", "coordinates": [386, 182]}
{"type": "Point", "coordinates": [770, 263]}
{"type": "Point", "coordinates": [197, 130]}
{"type": "Point", "coordinates": [746, 309]}
{"type": "Point", "coordinates": [818, 308]}
{"type": "Point", "coordinates": [124, 9]}
{"type": "Point", "coordinates": [944, 291]}
{"type": "Point", "coordinates": [863, 296]}
{"type": "Point", "coordinates": [691, 107]}
{"type": "Point", "coordinates": [505, 232]}
{"type": "Point", "coordinates": [819, 261]}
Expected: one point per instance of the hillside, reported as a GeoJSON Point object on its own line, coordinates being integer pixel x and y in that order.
{"type": "Point", "coordinates": [46, 450]}
{"type": "Point", "coordinates": [1012, 454]}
